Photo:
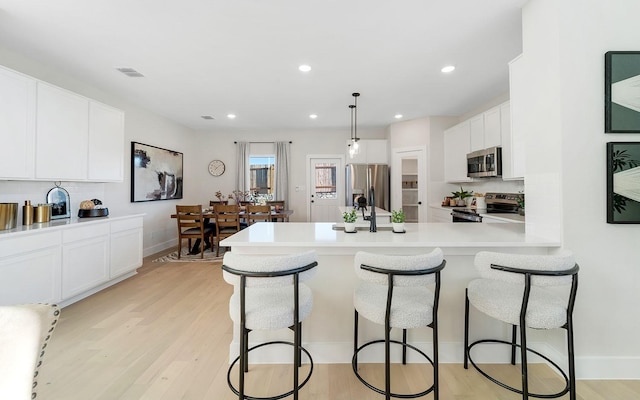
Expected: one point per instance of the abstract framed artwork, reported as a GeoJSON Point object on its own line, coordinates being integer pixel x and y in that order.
{"type": "Point", "coordinates": [623, 182]}
{"type": "Point", "coordinates": [156, 173]}
{"type": "Point", "coordinates": [622, 91]}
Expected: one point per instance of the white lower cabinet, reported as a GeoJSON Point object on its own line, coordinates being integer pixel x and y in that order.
{"type": "Point", "coordinates": [126, 246]}
{"type": "Point", "coordinates": [30, 269]}
{"type": "Point", "coordinates": [63, 264]}
{"type": "Point", "coordinates": [85, 258]}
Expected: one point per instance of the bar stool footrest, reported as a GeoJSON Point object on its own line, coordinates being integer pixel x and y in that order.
{"type": "Point", "coordinates": [354, 364]}
{"type": "Point", "coordinates": [519, 391]}
{"type": "Point", "coordinates": [276, 397]}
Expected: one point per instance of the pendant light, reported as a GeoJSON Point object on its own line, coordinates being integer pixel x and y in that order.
{"type": "Point", "coordinates": [354, 146]}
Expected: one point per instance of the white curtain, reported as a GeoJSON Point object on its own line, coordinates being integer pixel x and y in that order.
{"type": "Point", "coordinates": [242, 165]}
{"type": "Point", "coordinates": [627, 183]}
{"type": "Point", "coordinates": [283, 160]}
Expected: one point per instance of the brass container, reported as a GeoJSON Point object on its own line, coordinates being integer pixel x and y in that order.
{"type": "Point", "coordinates": [43, 213]}
{"type": "Point", "coordinates": [8, 215]}
{"type": "Point", "coordinates": [27, 213]}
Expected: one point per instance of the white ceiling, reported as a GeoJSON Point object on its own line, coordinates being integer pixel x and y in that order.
{"type": "Point", "coordinates": [215, 57]}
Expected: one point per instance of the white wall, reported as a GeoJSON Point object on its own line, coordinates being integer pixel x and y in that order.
{"type": "Point", "coordinates": [565, 42]}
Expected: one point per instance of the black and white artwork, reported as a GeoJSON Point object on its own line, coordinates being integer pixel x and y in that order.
{"type": "Point", "coordinates": [60, 203]}
{"type": "Point", "coordinates": [156, 173]}
{"type": "Point", "coordinates": [622, 92]}
{"type": "Point", "coordinates": [623, 182]}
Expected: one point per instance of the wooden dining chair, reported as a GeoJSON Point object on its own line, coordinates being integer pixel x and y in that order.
{"type": "Point", "coordinates": [227, 221]}
{"type": "Point", "coordinates": [257, 214]}
{"type": "Point", "coordinates": [191, 225]}
{"type": "Point", "coordinates": [279, 205]}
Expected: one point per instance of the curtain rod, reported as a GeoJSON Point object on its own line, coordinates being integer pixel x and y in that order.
{"type": "Point", "coordinates": [262, 142]}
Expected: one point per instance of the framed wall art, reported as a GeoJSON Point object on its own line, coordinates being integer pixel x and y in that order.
{"type": "Point", "coordinates": [156, 173]}
{"type": "Point", "coordinates": [622, 91]}
{"type": "Point", "coordinates": [623, 182]}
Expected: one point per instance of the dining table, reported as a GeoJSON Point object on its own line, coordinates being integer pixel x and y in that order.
{"type": "Point", "coordinates": [276, 215]}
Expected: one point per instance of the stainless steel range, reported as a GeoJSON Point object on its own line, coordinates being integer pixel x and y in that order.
{"type": "Point", "coordinates": [465, 215]}
{"type": "Point", "coordinates": [502, 202]}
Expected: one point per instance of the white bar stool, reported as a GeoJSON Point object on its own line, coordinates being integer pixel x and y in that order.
{"type": "Point", "coordinates": [513, 289]}
{"type": "Point", "coordinates": [398, 292]}
{"type": "Point", "coordinates": [269, 294]}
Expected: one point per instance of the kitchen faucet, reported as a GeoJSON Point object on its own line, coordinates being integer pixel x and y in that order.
{"type": "Point", "coordinates": [372, 216]}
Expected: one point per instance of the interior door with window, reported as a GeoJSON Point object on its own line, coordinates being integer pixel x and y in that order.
{"type": "Point", "coordinates": [326, 188]}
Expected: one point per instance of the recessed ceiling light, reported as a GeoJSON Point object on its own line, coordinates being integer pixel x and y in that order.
{"type": "Point", "coordinates": [313, 116]}
{"type": "Point", "coordinates": [231, 116]}
{"type": "Point", "coordinates": [397, 116]}
{"type": "Point", "coordinates": [448, 68]}
{"type": "Point", "coordinates": [304, 68]}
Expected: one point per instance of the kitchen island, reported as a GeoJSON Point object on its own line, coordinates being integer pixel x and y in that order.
{"type": "Point", "coordinates": [328, 331]}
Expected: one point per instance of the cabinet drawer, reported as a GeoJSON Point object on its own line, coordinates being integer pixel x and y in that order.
{"type": "Point", "coordinates": [26, 243]}
{"type": "Point", "coordinates": [85, 232]}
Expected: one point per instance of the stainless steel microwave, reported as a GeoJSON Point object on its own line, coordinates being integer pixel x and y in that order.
{"type": "Point", "coordinates": [485, 163]}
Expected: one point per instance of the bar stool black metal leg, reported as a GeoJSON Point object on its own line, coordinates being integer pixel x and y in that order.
{"type": "Point", "coordinates": [466, 329]}
{"type": "Point", "coordinates": [513, 344]}
{"type": "Point", "coordinates": [355, 337]}
{"type": "Point", "coordinates": [404, 347]}
{"type": "Point", "coordinates": [523, 363]}
{"type": "Point", "coordinates": [434, 328]}
{"type": "Point", "coordinates": [243, 363]}
{"type": "Point", "coordinates": [387, 361]}
{"type": "Point", "coordinates": [296, 359]}
{"type": "Point", "coordinates": [246, 350]}
{"type": "Point", "coordinates": [572, 366]}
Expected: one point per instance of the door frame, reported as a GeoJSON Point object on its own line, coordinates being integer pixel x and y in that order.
{"type": "Point", "coordinates": [340, 174]}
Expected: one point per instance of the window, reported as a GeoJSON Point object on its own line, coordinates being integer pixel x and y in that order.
{"type": "Point", "coordinates": [326, 181]}
{"type": "Point", "coordinates": [262, 175]}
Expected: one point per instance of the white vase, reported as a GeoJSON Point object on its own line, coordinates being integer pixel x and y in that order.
{"type": "Point", "coordinates": [349, 226]}
{"type": "Point", "coordinates": [398, 227]}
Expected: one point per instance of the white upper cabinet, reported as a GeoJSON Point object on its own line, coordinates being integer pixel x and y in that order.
{"type": "Point", "coordinates": [492, 128]}
{"type": "Point", "coordinates": [106, 138]}
{"type": "Point", "coordinates": [457, 144]}
{"type": "Point", "coordinates": [476, 132]}
{"type": "Point", "coordinates": [513, 148]}
{"type": "Point", "coordinates": [57, 135]}
{"type": "Point", "coordinates": [62, 134]}
{"type": "Point", "coordinates": [17, 124]}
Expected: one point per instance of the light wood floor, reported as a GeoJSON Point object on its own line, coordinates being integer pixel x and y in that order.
{"type": "Point", "coordinates": [164, 334]}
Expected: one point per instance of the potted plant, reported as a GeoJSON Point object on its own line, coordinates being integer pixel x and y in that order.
{"type": "Point", "coordinates": [350, 218]}
{"type": "Point", "coordinates": [397, 220]}
{"type": "Point", "coordinates": [461, 195]}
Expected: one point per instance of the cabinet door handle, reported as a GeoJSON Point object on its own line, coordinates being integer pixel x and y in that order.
{"type": "Point", "coordinates": [419, 203]}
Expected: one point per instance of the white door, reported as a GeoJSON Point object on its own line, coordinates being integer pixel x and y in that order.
{"type": "Point", "coordinates": [325, 184]}
{"type": "Point", "coordinates": [408, 183]}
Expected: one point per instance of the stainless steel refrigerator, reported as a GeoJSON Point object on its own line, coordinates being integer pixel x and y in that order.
{"type": "Point", "coordinates": [361, 177]}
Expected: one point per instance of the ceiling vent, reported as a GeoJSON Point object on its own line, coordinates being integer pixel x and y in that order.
{"type": "Point", "coordinates": [130, 72]}
{"type": "Point", "coordinates": [207, 117]}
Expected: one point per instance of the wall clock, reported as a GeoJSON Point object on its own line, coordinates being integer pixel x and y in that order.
{"type": "Point", "coordinates": [216, 168]}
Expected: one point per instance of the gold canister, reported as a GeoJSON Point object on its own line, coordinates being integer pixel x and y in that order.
{"type": "Point", "coordinates": [8, 215]}
{"type": "Point", "coordinates": [27, 213]}
{"type": "Point", "coordinates": [43, 213]}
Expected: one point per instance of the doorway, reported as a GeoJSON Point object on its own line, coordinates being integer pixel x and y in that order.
{"type": "Point", "coordinates": [325, 185]}
{"type": "Point", "coordinates": [408, 183]}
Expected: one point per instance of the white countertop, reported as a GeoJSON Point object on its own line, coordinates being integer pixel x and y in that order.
{"type": "Point", "coordinates": [59, 224]}
{"type": "Point", "coordinates": [446, 235]}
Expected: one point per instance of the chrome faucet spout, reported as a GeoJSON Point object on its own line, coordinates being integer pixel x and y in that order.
{"type": "Point", "coordinates": [372, 217]}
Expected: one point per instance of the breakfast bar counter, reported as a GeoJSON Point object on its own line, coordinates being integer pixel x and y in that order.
{"type": "Point", "coordinates": [328, 331]}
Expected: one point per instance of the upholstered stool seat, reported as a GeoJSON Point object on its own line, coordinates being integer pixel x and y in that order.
{"type": "Point", "coordinates": [269, 294]}
{"type": "Point", "coordinates": [526, 291]}
{"type": "Point", "coordinates": [398, 292]}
